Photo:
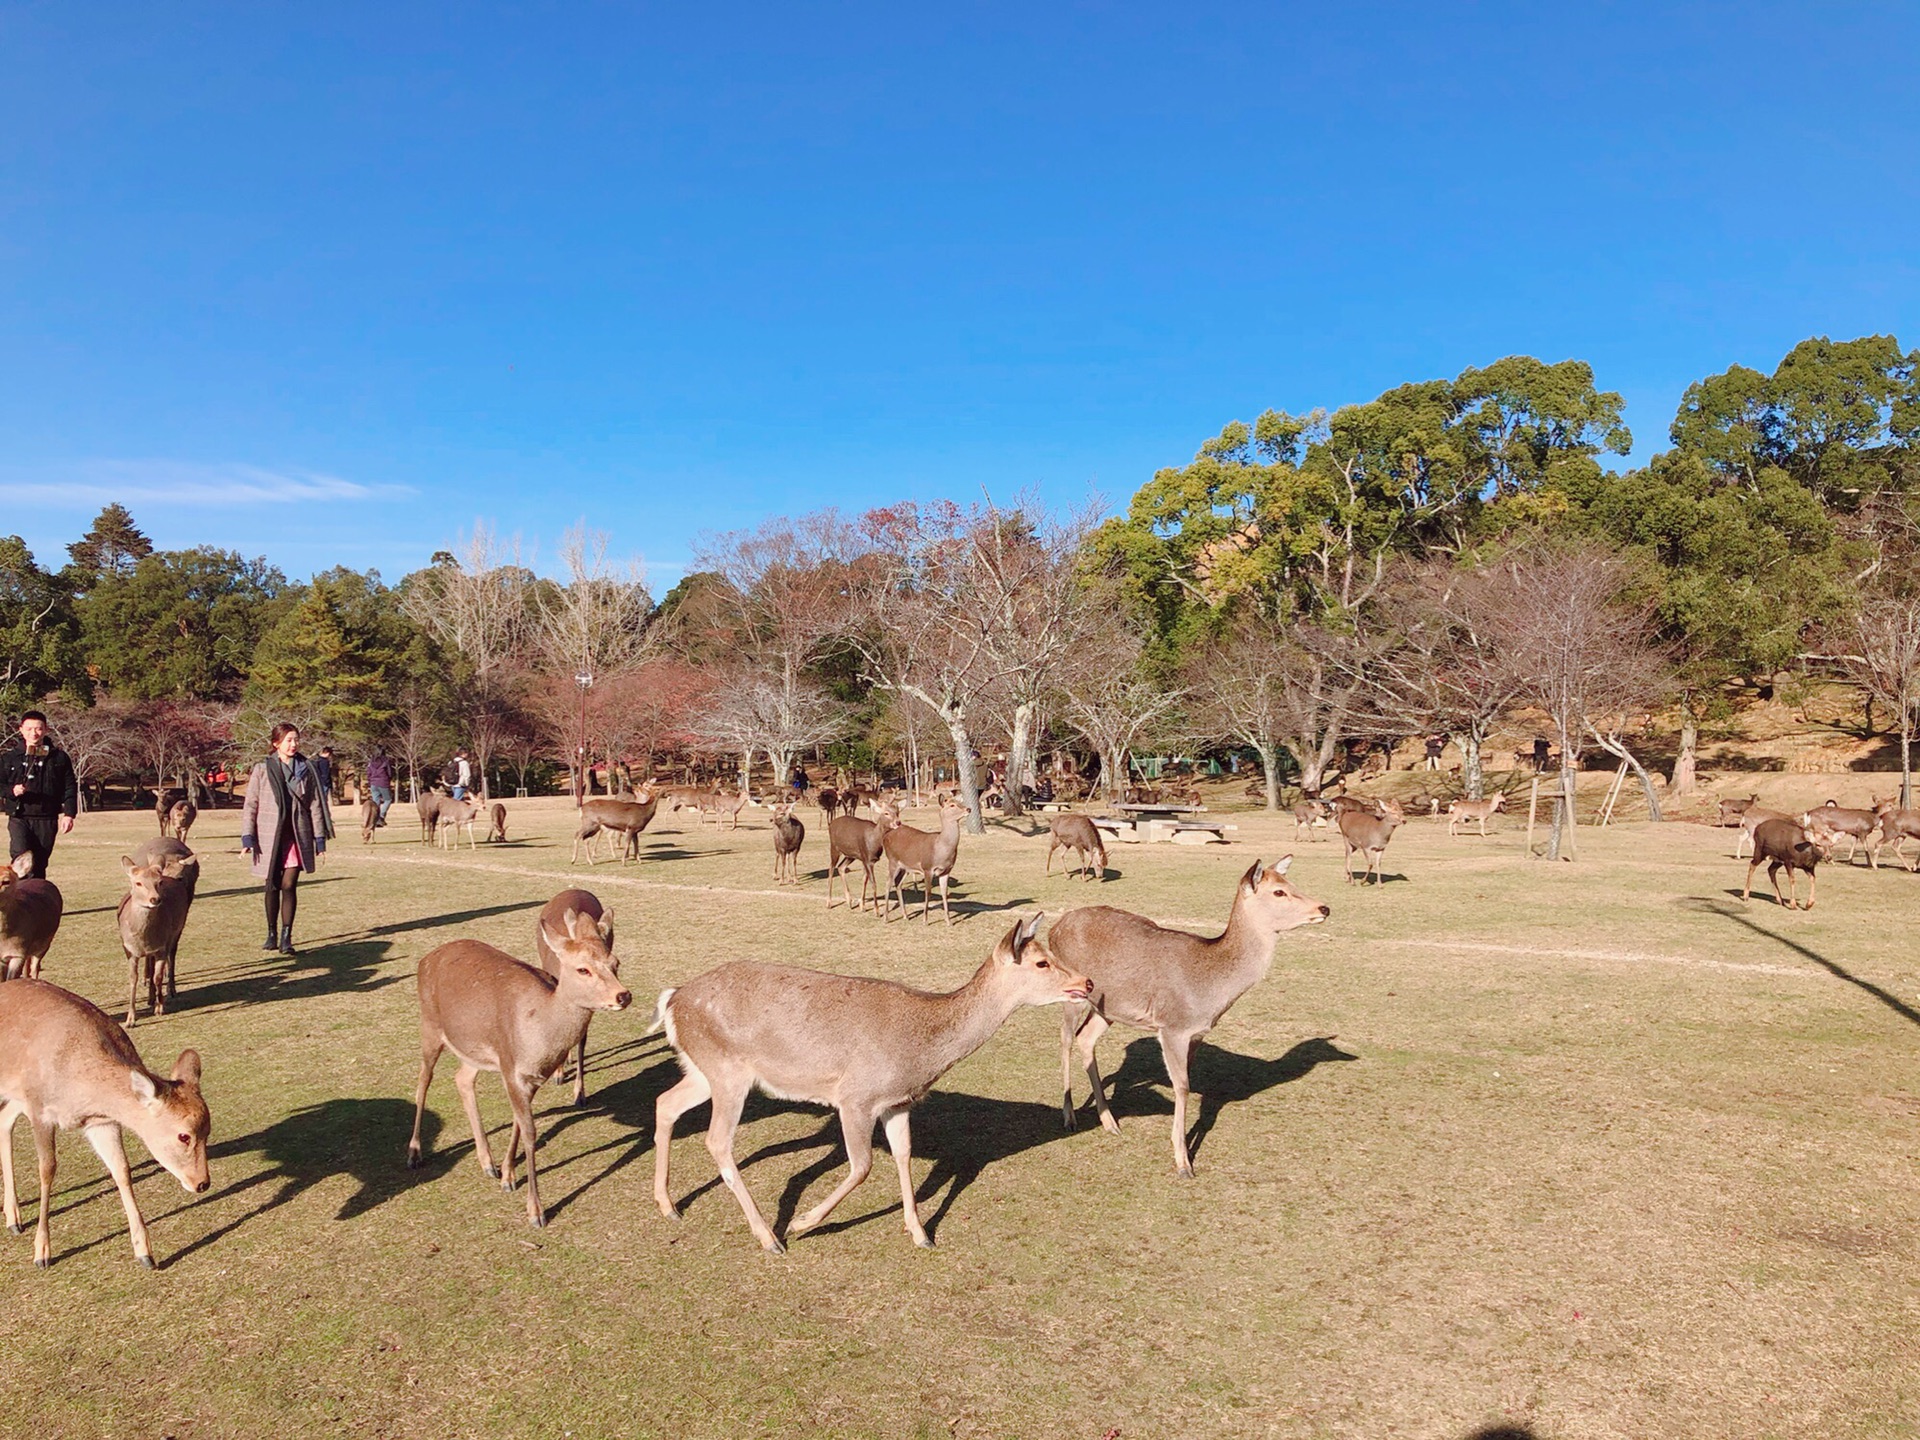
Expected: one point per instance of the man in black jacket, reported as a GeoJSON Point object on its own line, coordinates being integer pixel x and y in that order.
{"type": "Point", "coordinates": [36, 780]}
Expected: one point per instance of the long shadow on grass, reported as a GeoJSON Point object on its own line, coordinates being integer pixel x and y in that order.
{"type": "Point", "coordinates": [202, 896]}
{"type": "Point", "coordinates": [356, 1138]}
{"type": "Point", "coordinates": [1728, 912]}
{"type": "Point", "coordinates": [1219, 1078]}
{"type": "Point", "coordinates": [343, 967]}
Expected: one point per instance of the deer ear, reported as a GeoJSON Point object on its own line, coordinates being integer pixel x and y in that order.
{"type": "Point", "coordinates": [23, 864]}
{"type": "Point", "coordinates": [606, 926]}
{"type": "Point", "coordinates": [1282, 865]}
{"type": "Point", "coordinates": [187, 1068]}
{"type": "Point", "coordinates": [126, 864]}
{"type": "Point", "coordinates": [1252, 877]}
{"type": "Point", "coordinates": [143, 1086]}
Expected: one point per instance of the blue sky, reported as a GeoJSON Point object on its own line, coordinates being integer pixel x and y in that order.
{"type": "Point", "coordinates": [329, 283]}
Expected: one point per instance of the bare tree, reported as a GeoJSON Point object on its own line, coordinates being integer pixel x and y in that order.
{"type": "Point", "coordinates": [1240, 693]}
{"type": "Point", "coordinates": [1112, 702]}
{"type": "Point", "coordinates": [754, 710]}
{"type": "Point", "coordinates": [98, 738]}
{"type": "Point", "coordinates": [1886, 663]}
{"type": "Point", "coordinates": [595, 627]}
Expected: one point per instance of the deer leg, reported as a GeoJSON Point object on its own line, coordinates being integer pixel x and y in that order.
{"type": "Point", "coordinates": [430, 1047]}
{"type": "Point", "coordinates": [579, 1069]}
{"type": "Point", "coordinates": [856, 1127]}
{"type": "Point", "coordinates": [520, 1093]}
{"type": "Point", "coordinates": [1773, 874]}
{"type": "Point", "coordinates": [1811, 877]}
{"type": "Point", "coordinates": [8, 1114]}
{"type": "Point", "coordinates": [946, 904]}
{"type": "Point", "coordinates": [112, 1150]}
{"type": "Point", "coordinates": [43, 1136]}
{"type": "Point", "coordinates": [692, 1090]}
{"type": "Point", "coordinates": [133, 985]}
{"type": "Point", "coordinates": [463, 1081]}
{"type": "Point", "coordinates": [720, 1131]}
{"type": "Point", "coordinates": [900, 1142]}
{"type": "Point", "coordinates": [1747, 893]}
{"type": "Point", "coordinates": [1173, 1049]}
{"type": "Point", "coordinates": [1091, 1030]}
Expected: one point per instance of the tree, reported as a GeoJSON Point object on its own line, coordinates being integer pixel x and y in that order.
{"type": "Point", "coordinates": [39, 642]}
{"type": "Point", "coordinates": [1112, 702]}
{"type": "Point", "coordinates": [1242, 687]}
{"type": "Point", "coordinates": [594, 628]}
{"type": "Point", "coordinates": [330, 659]}
{"type": "Point", "coordinates": [754, 710]}
{"type": "Point", "coordinates": [1886, 663]}
{"type": "Point", "coordinates": [113, 545]}
{"type": "Point", "coordinates": [97, 738]}
{"type": "Point", "coordinates": [169, 739]}
{"type": "Point", "coordinates": [181, 624]}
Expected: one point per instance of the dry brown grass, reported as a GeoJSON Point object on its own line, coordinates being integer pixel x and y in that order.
{"type": "Point", "coordinates": [1596, 1150]}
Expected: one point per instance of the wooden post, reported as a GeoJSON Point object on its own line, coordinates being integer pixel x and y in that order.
{"type": "Point", "coordinates": [1613, 795]}
{"type": "Point", "coordinates": [1533, 808]}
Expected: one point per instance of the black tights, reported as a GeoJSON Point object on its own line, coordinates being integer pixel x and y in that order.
{"type": "Point", "coordinates": [283, 897]}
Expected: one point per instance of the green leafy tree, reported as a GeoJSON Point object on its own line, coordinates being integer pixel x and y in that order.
{"type": "Point", "coordinates": [39, 638]}
{"type": "Point", "coordinates": [329, 656]}
{"type": "Point", "coordinates": [180, 624]}
{"type": "Point", "coordinates": [113, 545]}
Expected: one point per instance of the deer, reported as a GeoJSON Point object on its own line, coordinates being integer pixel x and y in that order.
{"type": "Point", "coordinates": [1897, 825]}
{"type": "Point", "coordinates": [64, 1065]}
{"type": "Point", "coordinates": [1472, 810]}
{"type": "Point", "coordinates": [1732, 810]}
{"type": "Point", "coordinates": [1786, 843]}
{"type": "Point", "coordinates": [177, 817]}
{"type": "Point", "coordinates": [788, 833]}
{"type": "Point", "coordinates": [1309, 813]}
{"type": "Point", "coordinates": [869, 1048]}
{"type": "Point", "coordinates": [1080, 835]}
{"type": "Point", "coordinates": [1751, 819]}
{"type": "Point", "coordinates": [369, 817]}
{"type": "Point", "coordinates": [1368, 833]}
{"type": "Point", "coordinates": [930, 855]}
{"type": "Point", "coordinates": [499, 1015]}
{"type": "Point", "coordinates": [850, 839]}
{"type": "Point", "coordinates": [851, 800]}
{"type": "Point", "coordinates": [455, 816]}
{"type": "Point", "coordinates": [30, 913]}
{"type": "Point", "coordinates": [430, 805]}
{"type": "Point", "coordinates": [497, 833]}
{"type": "Point", "coordinates": [727, 806]}
{"type": "Point", "coordinates": [172, 856]}
{"type": "Point", "coordinates": [1168, 981]}
{"type": "Point", "coordinates": [626, 818]}
{"type": "Point", "coordinates": [828, 799]}
{"type": "Point", "coordinates": [1837, 821]}
{"type": "Point", "coordinates": [553, 915]}
{"type": "Point", "coordinates": [151, 917]}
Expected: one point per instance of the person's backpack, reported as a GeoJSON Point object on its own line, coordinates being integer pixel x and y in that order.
{"type": "Point", "coordinates": [450, 773]}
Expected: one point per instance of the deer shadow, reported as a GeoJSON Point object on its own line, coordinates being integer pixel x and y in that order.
{"type": "Point", "coordinates": [344, 966]}
{"type": "Point", "coordinates": [364, 1139]}
{"type": "Point", "coordinates": [1219, 1078]}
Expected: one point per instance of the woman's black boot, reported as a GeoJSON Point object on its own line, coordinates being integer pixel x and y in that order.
{"type": "Point", "coordinates": [286, 941]}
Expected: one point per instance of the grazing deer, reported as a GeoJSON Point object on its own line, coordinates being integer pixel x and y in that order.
{"type": "Point", "coordinates": [788, 833]}
{"type": "Point", "coordinates": [1167, 981]}
{"type": "Point", "coordinates": [1472, 810]}
{"type": "Point", "coordinates": [851, 840]}
{"type": "Point", "coordinates": [151, 917]}
{"type": "Point", "coordinates": [64, 1064]}
{"type": "Point", "coordinates": [1367, 833]}
{"type": "Point", "coordinates": [553, 915]}
{"type": "Point", "coordinates": [624, 818]}
{"type": "Point", "coordinates": [1837, 821]}
{"type": "Point", "coordinates": [1307, 815]}
{"type": "Point", "coordinates": [30, 913]}
{"type": "Point", "coordinates": [499, 1015]}
{"type": "Point", "coordinates": [1751, 819]}
{"type": "Point", "coordinates": [1778, 843]}
{"type": "Point", "coordinates": [1080, 835]}
{"type": "Point", "coordinates": [1897, 826]}
{"type": "Point", "coordinates": [928, 855]}
{"type": "Point", "coordinates": [497, 835]}
{"type": "Point", "coordinates": [1732, 810]}
{"type": "Point", "coordinates": [869, 1048]}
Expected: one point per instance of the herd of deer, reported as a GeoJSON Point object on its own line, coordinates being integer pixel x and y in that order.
{"type": "Point", "coordinates": [1797, 843]}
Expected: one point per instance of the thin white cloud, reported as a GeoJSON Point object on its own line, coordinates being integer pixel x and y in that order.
{"type": "Point", "coordinates": [179, 482]}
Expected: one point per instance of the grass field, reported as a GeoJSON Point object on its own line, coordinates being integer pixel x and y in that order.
{"type": "Point", "coordinates": [1594, 1150]}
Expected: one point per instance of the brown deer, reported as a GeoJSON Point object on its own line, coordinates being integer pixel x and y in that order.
{"type": "Point", "coordinates": [499, 1015]}
{"type": "Point", "coordinates": [930, 855]}
{"type": "Point", "coordinates": [1368, 833]}
{"type": "Point", "coordinates": [727, 805]}
{"type": "Point", "coordinates": [788, 834]}
{"type": "Point", "coordinates": [30, 913]}
{"type": "Point", "coordinates": [1778, 843]}
{"type": "Point", "coordinates": [828, 799]}
{"type": "Point", "coordinates": [1078, 834]}
{"type": "Point", "coordinates": [64, 1064]}
{"type": "Point", "coordinates": [1309, 813]}
{"type": "Point", "coordinates": [369, 817]}
{"type": "Point", "coordinates": [1167, 981]}
{"type": "Point", "coordinates": [624, 818]}
{"type": "Point", "coordinates": [1751, 819]}
{"type": "Point", "coordinates": [455, 816]}
{"type": "Point", "coordinates": [869, 1048]}
{"type": "Point", "coordinates": [177, 860]}
{"type": "Point", "coordinates": [1897, 826]}
{"type": "Point", "coordinates": [553, 915]}
{"type": "Point", "coordinates": [851, 840]}
{"type": "Point", "coordinates": [430, 804]}
{"type": "Point", "coordinates": [177, 816]}
{"type": "Point", "coordinates": [1839, 822]}
{"type": "Point", "coordinates": [1472, 810]}
{"type": "Point", "coordinates": [151, 917]}
{"type": "Point", "coordinates": [497, 835]}
{"type": "Point", "coordinates": [1732, 810]}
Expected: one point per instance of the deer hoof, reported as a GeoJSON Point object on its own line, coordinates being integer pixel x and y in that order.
{"type": "Point", "coordinates": [490, 1172]}
{"type": "Point", "coordinates": [14, 1229]}
{"type": "Point", "coordinates": [413, 1158]}
{"type": "Point", "coordinates": [925, 1242]}
{"type": "Point", "coordinates": [41, 1263]}
{"type": "Point", "coordinates": [539, 1221]}
{"type": "Point", "coordinates": [146, 1262]}
{"type": "Point", "coordinates": [773, 1247]}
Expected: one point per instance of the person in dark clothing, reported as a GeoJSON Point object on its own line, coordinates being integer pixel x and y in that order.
{"type": "Point", "coordinates": [380, 782]}
{"type": "Point", "coordinates": [284, 829]}
{"type": "Point", "coordinates": [799, 781]}
{"type": "Point", "coordinates": [323, 767]}
{"type": "Point", "coordinates": [1542, 754]}
{"type": "Point", "coordinates": [37, 780]}
{"type": "Point", "coordinates": [1436, 746]}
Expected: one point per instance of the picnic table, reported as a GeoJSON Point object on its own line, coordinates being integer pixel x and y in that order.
{"type": "Point", "coordinates": [1151, 824]}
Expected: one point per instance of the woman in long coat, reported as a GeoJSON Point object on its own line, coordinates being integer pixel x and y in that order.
{"type": "Point", "coordinates": [284, 829]}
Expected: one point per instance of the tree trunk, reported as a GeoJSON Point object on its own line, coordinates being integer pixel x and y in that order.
{"type": "Point", "coordinates": [1270, 772]}
{"type": "Point", "coordinates": [746, 771]}
{"type": "Point", "coordinates": [1560, 843]}
{"type": "Point", "coordinates": [964, 773]}
{"type": "Point", "coordinates": [1473, 775]}
{"type": "Point", "coordinates": [1684, 778]}
{"type": "Point", "coordinates": [1906, 764]}
{"type": "Point", "coordinates": [1018, 759]}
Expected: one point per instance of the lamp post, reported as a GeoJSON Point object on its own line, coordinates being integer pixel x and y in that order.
{"type": "Point", "coordinates": [585, 681]}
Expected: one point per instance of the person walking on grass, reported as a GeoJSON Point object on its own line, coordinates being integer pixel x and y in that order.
{"type": "Point", "coordinates": [37, 780]}
{"type": "Point", "coordinates": [380, 783]}
{"type": "Point", "coordinates": [284, 829]}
